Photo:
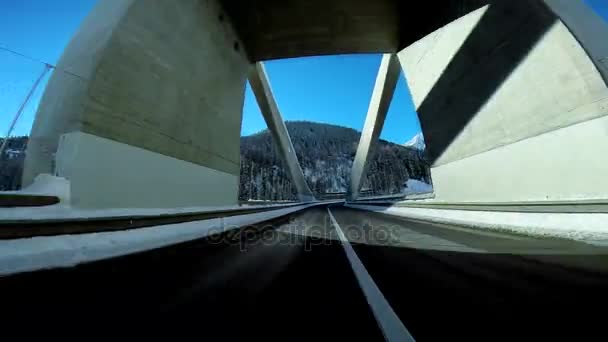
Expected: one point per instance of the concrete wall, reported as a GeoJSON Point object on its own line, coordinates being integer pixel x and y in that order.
{"type": "Point", "coordinates": [588, 28]}
{"type": "Point", "coordinates": [494, 90]}
{"type": "Point", "coordinates": [565, 164]}
{"type": "Point", "coordinates": [165, 77]}
{"type": "Point", "coordinates": [116, 172]}
{"type": "Point", "coordinates": [61, 108]}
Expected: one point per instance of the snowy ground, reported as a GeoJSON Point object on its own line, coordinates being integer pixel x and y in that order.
{"type": "Point", "coordinates": [586, 227]}
{"type": "Point", "coordinates": [45, 184]}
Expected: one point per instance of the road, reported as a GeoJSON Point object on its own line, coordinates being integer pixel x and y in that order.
{"type": "Point", "coordinates": [292, 280]}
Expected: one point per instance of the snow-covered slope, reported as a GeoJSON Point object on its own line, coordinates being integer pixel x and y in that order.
{"type": "Point", "coordinates": [416, 142]}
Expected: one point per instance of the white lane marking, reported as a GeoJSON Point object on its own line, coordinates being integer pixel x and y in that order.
{"type": "Point", "coordinates": [391, 326]}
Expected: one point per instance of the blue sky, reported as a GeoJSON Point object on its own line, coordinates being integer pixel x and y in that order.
{"type": "Point", "coordinates": [39, 29]}
{"type": "Point", "coordinates": [333, 89]}
{"type": "Point", "coordinates": [600, 7]}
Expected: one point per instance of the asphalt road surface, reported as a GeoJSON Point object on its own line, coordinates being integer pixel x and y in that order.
{"type": "Point", "coordinates": [293, 279]}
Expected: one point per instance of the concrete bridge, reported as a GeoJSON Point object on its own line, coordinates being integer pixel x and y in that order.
{"type": "Point", "coordinates": [511, 96]}
{"type": "Point", "coordinates": [146, 113]}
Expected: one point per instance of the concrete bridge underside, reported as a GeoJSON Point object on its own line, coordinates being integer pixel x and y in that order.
{"type": "Point", "coordinates": [145, 107]}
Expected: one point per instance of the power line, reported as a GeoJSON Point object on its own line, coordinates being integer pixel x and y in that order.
{"type": "Point", "coordinates": [48, 65]}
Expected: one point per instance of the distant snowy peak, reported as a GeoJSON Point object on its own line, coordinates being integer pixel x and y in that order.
{"type": "Point", "coordinates": [416, 142]}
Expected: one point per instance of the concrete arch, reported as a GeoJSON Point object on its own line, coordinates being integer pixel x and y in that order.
{"type": "Point", "coordinates": [513, 103]}
{"type": "Point", "coordinates": [145, 107]}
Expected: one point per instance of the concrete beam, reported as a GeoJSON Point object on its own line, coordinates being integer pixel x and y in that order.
{"type": "Point", "coordinates": [258, 79]}
{"type": "Point", "coordinates": [386, 82]}
{"type": "Point", "coordinates": [273, 29]}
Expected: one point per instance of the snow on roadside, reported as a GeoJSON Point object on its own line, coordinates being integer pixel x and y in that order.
{"type": "Point", "coordinates": [590, 228]}
{"type": "Point", "coordinates": [45, 252]}
{"type": "Point", "coordinates": [56, 212]}
{"type": "Point", "coordinates": [45, 184]}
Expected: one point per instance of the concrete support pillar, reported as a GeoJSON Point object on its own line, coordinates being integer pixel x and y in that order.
{"type": "Point", "coordinates": [513, 103]}
{"type": "Point", "coordinates": [385, 85]}
{"type": "Point", "coordinates": [270, 111]}
{"type": "Point", "coordinates": [144, 108]}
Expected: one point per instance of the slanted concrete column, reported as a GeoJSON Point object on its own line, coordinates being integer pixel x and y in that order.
{"type": "Point", "coordinates": [145, 107]}
{"type": "Point", "coordinates": [386, 82]}
{"type": "Point", "coordinates": [270, 111]}
{"type": "Point", "coordinates": [513, 104]}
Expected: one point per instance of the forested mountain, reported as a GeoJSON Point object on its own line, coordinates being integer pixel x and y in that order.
{"type": "Point", "coordinates": [326, 153]}
{"type": "Point", "coordinates": [11, 163]}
